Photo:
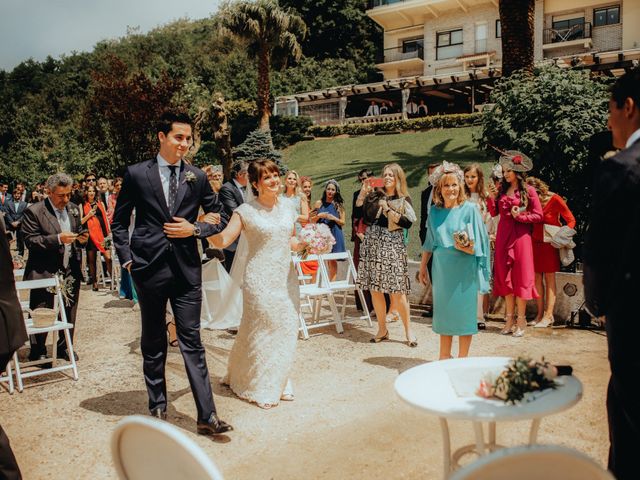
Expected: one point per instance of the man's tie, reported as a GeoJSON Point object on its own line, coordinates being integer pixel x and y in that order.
{"type": "Point", "coordinates": [173, 188]}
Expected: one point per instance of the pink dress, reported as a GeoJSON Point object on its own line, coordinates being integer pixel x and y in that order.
{"type": "Point", "coordinates": [513, 272]}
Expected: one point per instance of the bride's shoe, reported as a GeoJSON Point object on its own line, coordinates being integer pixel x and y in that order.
{"type": "Point", "coordinates": [508, 328]}
{"type": "Point", "coordinates": [287, 397]}
{"type": "Point", "coordinates": [380, 339]}
{"type": "Point", "coordinates": [287, 394]}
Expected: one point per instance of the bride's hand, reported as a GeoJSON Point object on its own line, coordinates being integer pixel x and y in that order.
{"type": "Point", "coordinates": [212, 218]}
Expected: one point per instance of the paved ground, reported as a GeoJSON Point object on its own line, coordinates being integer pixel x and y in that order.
{"type": "Point", "coordinates": [346, 421]}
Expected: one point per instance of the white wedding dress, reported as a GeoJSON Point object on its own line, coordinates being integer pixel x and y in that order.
{"type": "Point", "coordinates": [262, 355]}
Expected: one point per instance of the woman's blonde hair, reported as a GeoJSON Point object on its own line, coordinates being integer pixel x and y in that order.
{"type": "Point", "coordinates": [401, 179]}
{"type": "Point", "coordinates": [298, 190]}
{"type": "Point", "coordinates": [540, 186]}
{"type": "Point", "coordinates": [437, 191]}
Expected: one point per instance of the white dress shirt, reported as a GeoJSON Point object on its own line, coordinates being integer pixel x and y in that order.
{"type": "Point", "coordinates": [635, 136]}
{"type": "Point", "coordinates": [165, 174]}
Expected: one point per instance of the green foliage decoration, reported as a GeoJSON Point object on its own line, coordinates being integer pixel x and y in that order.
{"type": "Point", "coordinates": [550, 116]}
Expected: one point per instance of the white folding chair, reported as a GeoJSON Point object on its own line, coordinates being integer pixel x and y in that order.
{"type": "Point", "coordinates": [144, 448]}
{"type": "Point", "coordinates": [116, 270]}
{"type": "Point", "coordinates": [532, 462]}
{"type": "Point", "coordinates": [61, 324]}
{"type": "Point", "coordinates": [7, 378]}
{"type": "Point", "coordinates": [311, 297]}
{"type": "Point", "coordinates": [345, 285]}
{"type": "Point", "coordinates": [18, 273]}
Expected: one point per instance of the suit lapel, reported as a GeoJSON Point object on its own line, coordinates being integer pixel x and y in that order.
{"type": "Point", "coordinates": [51, 216]}
{"type": "Point", "coordinates": [153, 175]}
{"type": "Point", "coordinates": [182, 188]}
{"type": "Point", "coordinates": [239, 197]}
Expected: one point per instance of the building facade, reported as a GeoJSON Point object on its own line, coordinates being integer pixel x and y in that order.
{"type": "Point", "coordinates": [445, 55]}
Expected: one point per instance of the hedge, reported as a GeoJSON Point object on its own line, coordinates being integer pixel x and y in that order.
{"type": "Point", "coordinates": [424, 123]}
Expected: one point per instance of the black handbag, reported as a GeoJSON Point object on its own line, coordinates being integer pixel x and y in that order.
{"type": "Point", "coordinates": [371, 207]}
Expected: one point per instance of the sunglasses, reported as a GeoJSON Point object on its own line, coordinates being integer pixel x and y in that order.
{"type": "Point", "coordinates": [90, 180]}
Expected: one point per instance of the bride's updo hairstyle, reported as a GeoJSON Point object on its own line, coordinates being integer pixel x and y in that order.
{"type": "Point", "coordinates": [257, 169]}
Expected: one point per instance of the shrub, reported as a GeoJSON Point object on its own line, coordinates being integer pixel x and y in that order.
{"type": "Point", "coordinates": [550, 116]}
{"type": "Point", "coordinates": [287, 130]}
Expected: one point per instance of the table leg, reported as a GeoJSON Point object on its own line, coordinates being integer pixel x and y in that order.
{"type": "Point", "coordinates": [492, 436]}
{"type": "Point", "coordinates": [480, 447]}
{"type": "Point", "coordinates": [446, 446]}
{"type": "Point", "coordinates": [533, 433]}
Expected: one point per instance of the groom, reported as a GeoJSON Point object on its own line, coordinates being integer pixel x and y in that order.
{"type": "Point", "coordinates": [162, 256]}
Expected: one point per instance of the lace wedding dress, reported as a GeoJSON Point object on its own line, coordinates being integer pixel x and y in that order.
{"type": "Point", "coordinates": [263, 353]}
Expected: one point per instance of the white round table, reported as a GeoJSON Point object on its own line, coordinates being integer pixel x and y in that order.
{"type": "Point", "coordinates": [445, 389]}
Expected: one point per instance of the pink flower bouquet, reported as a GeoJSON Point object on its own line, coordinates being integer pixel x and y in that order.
{"type": "Point", "coordinates": [318, 239]}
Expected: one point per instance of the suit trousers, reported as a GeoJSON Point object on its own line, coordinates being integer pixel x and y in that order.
{"type": "Point", "coordinates": [9, 469]}
{"type": "Point", "coordinates": [154, 289]}
{"type": "Point", "coordinates": [41, 298]}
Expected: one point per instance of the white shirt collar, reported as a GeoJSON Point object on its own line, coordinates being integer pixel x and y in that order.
{"type": "Point", "coordinates": [635, 136]}
{"type": "Point", "coordinates": [163, 163]}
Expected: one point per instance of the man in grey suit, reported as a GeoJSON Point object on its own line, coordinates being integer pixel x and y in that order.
{"type": "Point", "coordinates": [232, 195]}
{"type": "Point", "coordinates": [612, 270]}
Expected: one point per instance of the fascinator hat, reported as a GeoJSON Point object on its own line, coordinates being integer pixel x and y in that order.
{"type": "Point", "coordinates": [445, 169]}
{"type": "Point", "coordinates": [514, 160]}
{"type": "Point", "coordinates": [496, 171]}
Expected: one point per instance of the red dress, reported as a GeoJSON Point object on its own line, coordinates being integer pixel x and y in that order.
{"type": "Point", "coordinates": [546, 258]}
{"type": "Point", "coordinates": [513, 272]}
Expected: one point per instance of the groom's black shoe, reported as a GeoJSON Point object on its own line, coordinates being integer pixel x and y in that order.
{"type": "Point", "coordinates": [158, 413]}
{"type": "Point", "coordinates": [213, 426]}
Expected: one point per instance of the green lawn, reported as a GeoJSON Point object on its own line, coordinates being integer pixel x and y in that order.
{"type": "Point", "coordinates": [342, 158]}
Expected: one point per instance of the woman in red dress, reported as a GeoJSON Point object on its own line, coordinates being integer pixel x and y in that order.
{"type": "Point", "coordinates": [546, 258]}
{"type": "Point", "coordinates": [518, 206]}
{"type": "Point", "coordinates": [95, 216]}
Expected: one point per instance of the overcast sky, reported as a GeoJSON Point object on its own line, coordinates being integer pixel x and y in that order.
{"type": "Point", "coordinates": [37, 28]}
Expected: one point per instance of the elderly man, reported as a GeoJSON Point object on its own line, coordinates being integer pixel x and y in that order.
{"type": "Point", "coordinates": [612, 270]}
{"type": "Point", "coordinates": [54, 235]}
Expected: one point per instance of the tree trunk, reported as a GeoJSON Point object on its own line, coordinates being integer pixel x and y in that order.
{"type": "Point", "coordinates": [222, 134]}
{"type": "Point", "coordinates": [264, 87]}
{"type": "Point", "coordinates": [517, 21]}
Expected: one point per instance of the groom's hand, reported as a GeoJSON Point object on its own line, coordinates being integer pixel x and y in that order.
{"type": "Point", "coordinates": [212, 218]}
{"type": "Point", "coordinates": [179, 228]}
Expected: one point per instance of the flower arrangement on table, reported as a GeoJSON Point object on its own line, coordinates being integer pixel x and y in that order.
{"type": "Point", "coordinates": [522, 375]}
{"type": "Point", "coordinates": [318, 239]}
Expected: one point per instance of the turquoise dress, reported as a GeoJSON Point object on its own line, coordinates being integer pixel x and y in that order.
{"type": "Point", "coordinates": [457, 276]}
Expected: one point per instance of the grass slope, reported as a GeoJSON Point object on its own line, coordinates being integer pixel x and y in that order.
{"type": "Point", "coordinates": [342, 158]}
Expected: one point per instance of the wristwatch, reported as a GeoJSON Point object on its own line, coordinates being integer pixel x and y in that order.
{"type": "Point", "coordinates": [196, 231]}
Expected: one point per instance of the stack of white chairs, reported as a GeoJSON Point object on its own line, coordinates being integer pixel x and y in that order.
{"type": "Point", "coordinates": [60, 325]}
{"type": "Point", "coordinates": [116, 270]}
{"type": "Point", "coordinates": [312, 295]}
{"type": "Point", "coordinates": [345, 284]}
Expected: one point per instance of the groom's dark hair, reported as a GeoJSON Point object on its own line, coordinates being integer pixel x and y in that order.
{"type": "Point", "coordinates": [169, 117]}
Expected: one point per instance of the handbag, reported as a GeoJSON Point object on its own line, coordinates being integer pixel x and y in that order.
{"type": "Point", "coordinates": [404, 208]}
{"type": "Point", "coordinates": [549, 232]}
{"type": "Point", "coordinates": [371, 208]}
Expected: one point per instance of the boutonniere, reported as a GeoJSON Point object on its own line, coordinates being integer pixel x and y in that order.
{"type": "Point", "coordinates": [190, 177]}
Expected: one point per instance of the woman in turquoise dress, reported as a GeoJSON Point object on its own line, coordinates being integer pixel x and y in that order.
{"type": "Point", "coordinates": [461, 266]}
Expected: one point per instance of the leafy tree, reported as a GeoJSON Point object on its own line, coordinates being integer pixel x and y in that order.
{"type": "Point", "coordinates": [258, 145]}
{"type": "Point", "coordinates": [516, 20]}
{"type": "Point", "coordinates": [272, 35]}
{"type": "Point", "coordinates": [551, 116]}
{"type": "Point", "coordinates": [311, 74]}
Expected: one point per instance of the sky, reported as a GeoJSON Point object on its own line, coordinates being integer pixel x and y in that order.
{"type": "Point", "coordinates": [37, 28]}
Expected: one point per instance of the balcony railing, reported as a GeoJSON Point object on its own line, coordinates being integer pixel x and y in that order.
{"type": "Point", "coordinates": [559, 35]}
{"type": "Point", "coordinates": [381, 3]}
{"type": "Point", "coordinates": [398, 54]}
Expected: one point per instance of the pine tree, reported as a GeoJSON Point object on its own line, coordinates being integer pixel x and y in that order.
{"type": "Point", "coordinates": [258, 145]}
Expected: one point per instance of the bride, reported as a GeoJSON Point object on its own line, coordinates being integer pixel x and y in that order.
{"type": "Point", "coordinates": [262, 355]}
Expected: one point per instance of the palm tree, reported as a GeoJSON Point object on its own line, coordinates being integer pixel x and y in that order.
{"type": "Point", "coordinates": [272, 34]}
{"type": "Point", "coordinates": [517, 22]}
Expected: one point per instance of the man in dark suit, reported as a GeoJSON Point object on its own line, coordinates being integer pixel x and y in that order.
{"type": "Point", "coordinates": [612, 271]}
{"type": "Point", "coordinates": [14, 211]}
{"type": "Point", "coordinates": [232, 195]}
{"type": "Point", "coordinates": [54, 235]}
{"type": "Point", "coordinates": [162, 256]}
{"type": "Point", "coordinates": [4, 195]}
{"type": "Point", "coordinates": [426, 200]}
{"type": "Point", "coordinates": [13, 334]}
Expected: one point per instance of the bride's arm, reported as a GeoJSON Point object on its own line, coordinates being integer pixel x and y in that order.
{"type": "Point", "coordinates": [228, 235]}
{"type": "Point", "coordinates": [294, 244]}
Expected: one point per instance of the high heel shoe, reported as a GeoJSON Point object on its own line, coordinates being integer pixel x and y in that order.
{"type": "Point", "coordinates": [521, 324]}
{"type": "Point", "coordinates": [380, 339]}
{"type": "Point", "coordinates": [413, 342]}
{"type": "Point", "coordinates": [508, 328]}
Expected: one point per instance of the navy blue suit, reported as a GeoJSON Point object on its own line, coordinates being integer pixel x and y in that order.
{"type": "Point", "coordinates": [166, 269]}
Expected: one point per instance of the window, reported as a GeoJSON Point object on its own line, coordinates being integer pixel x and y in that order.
{"type": "Point", "coordinates": [448, 44]}
{"type": "Point", "coordinates": [606, 16]}
{"type": "Point", "coordinates": [481, 37]}
{"type": "Point", "coordinates": [412, 45]}
{"type": "Point", "coordinates": [498, 29]}
{"type": "Point", "coordinates": [571, 29]}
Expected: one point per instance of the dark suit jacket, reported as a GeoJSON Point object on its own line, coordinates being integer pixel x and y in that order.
{"type": "Point", "coordinates": [356, 215]}
{"type": "Point", "coordinates": [231, 198]}
{"type": "Point", "coordinates": [142, 190]}
{"type": "Point", "coordinates": [612, 253]}
{"type": "Point", "coordinates": [13, 215]}
{"type": "Point", "coordinates": [424, 213]}
{"type": "Point", "coordinates": [40, 228]}
{"type": "Point", "coordinates": [13, 333]}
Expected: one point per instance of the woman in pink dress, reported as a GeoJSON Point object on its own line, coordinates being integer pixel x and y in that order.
{"type": "Point", "coordinates": [519, 207]}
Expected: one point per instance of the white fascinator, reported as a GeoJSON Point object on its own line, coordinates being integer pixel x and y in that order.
{"type": "Point", "coordinates": [446, 168]}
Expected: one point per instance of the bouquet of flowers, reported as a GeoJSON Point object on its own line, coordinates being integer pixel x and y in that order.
{"type": "Point", "coordinates": [107, 243]}
{"type": "Point", "coordinates": [66, 287]}
{"type": "Point", "coordinates": [318, 239]}
{"type": "Point", "coordinates": [521, 376]}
